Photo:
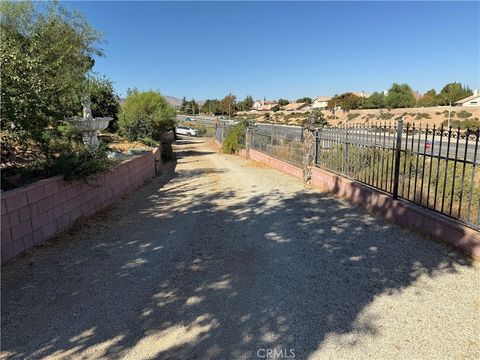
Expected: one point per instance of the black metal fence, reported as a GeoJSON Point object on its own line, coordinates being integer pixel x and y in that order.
{"type": "Point", "coordinates": [438, 168]}
{"type": "Point", "coordinates": [282, 142]}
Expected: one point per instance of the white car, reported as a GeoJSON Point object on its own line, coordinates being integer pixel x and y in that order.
{"type": "Point", "coordinates": [185, 130]}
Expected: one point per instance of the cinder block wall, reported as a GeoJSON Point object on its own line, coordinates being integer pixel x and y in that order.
{"type": "Point", "coordinates": [34, 213]}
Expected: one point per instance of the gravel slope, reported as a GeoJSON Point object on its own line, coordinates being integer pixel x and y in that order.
{"type": "Point", "coordinates": [229, 259]}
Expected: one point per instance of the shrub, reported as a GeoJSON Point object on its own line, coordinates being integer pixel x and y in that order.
{"type": "Point", "coordinates": [76, 162]}
{"type": "Point", "coordinates": [386, 116]}
{"type": "Point", "coordinates": [145, 114]}
{"type": "Point", "coordinates": [68, 131]}
{"type": "Point", "coordinates": [233, 141]}
{"type": "Point", "coordinates": [352, 116]}
{"type": "Point", "coordinates": [150, 142]}
{"type": "Point", "coordinates": [463, 124]}
{"type": "Point", "coordinates": [422, 116]}
{"type": "Point", "coordinates": [464, 114]}
{"type": "Point", "coordinates": [136, 128]}
{"type": "Point", "coordinates": [201, 129]}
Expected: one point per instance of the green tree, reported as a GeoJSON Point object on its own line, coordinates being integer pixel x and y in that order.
{"type": "Point", "coordinates": [210, 106]}
{"type": "Point", "coordinates": [45, 53]}
{"type": "Point", "coordinates": [283, 102]}
{"type": "Point", "coordinates": [347, 101]}
{"type": "Point", "coordinates": [246, 104]}
{"type": "Point", "coordinates": [105, 101]}
{"type": "Point", "coordinates": [429, 99]}
{"type": "Point", "coordinates": [145, 114]}
{"type": "Point", "coordinates": [374, 101]}
{"type": "Point", "coordinates": [453, 92]}
{"type": "Point", "coordinates": [183, 105]}
{"type": "Point", "coordinates": [227, 105]}
{"type": "Point", "coordinates": [400, 96]}
{"type": "Point", "coordinates": [191, 107]}
{"type": "Point", "coordinates": [304, 100]}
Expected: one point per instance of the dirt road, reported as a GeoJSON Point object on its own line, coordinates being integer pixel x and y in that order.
{"type": "Point", "coordinates": [231, 260]}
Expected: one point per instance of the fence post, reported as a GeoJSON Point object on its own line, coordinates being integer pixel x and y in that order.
{"type": "Point", "coordinates": [272, 134]}
{"type": "Point", "coordinates": [346, 150]}
{"type": "Point", "coordinates": [398, 147]}
{"type": "Point", "coordinates": [316, 147]}
{"type": "Point", "coordinates": [248, 141]}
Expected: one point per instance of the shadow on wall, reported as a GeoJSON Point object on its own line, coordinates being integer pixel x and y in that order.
{"type": "Point", "coordinates": [281, 272]}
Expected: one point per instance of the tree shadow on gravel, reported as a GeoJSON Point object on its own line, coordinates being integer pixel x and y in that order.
{"type": "Point", "coordinates": [179, 273]}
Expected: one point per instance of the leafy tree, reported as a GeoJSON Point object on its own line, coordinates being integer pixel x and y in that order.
{"type": "Point", "coordinates": [429, 99]}
{"type": "Point", "coordinates": [105, 101]}
{"type": "Point", "coordinates": [183, 105]}
{"type": "Point", "coordinates": [227, 105]}
{"type": "Point", "coordinates": [45, 53]}
{"type": "Point", "coordinates": [304, 100]}
{"type": "Point", "coordinates": [347, 101]}
{"type": "Point", "coordinates": [145, 114]}
{"type": "Point", "coordinates": [283, 102]}
{"type": "Point", "coordinates": [453, 92]}
{"type": "Point", "coordinates": [246, 104]}
{"type": "Point", "coordinates": [400, 96]}
{"type": "Point", "coordinates": [374, 101]}
{"type": "Point", "coordinates": [191, 107]}
{"type": "Point", "coordinates": [211, 106]}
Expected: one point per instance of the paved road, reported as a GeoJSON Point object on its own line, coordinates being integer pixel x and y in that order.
{"type": "Point", "coordinates": [418, 145]}
{"type": "Point", "coordinates": [229, 260]}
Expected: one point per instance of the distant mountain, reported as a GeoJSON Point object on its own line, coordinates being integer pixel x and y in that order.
{"type": "Point", "coordinates": [173, 100]}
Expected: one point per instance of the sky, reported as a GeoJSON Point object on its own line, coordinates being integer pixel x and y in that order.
{"type": "Point", "coordinates": [285, 49]}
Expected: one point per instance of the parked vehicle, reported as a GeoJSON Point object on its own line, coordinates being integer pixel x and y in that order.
{"type": "Point", "coordinates": [185, 130]}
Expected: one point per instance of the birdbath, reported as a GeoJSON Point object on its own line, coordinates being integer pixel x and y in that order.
{"type": "Point", "coordinates": [89, 126]}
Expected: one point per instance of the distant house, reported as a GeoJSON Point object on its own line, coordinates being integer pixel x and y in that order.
{"type": "Point", "coordinates": [362, 94]}
{"type": "Point", "coordinates": [263, 105]}
{"type": "Point", "coordinates": [417, 95]}
{"type": "Point", "coordinates": [473, 100]}
{"type": "Point", "coordinates": [320, 102]}
{"type": "Point", "coordinates": [296, 106]}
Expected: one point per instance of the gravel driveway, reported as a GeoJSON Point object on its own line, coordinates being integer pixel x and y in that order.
{"type": "Point", "coordinates": [228, 259]}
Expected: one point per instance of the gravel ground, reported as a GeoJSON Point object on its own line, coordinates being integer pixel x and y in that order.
{"type": "Point", "coordinates": [231, 260]}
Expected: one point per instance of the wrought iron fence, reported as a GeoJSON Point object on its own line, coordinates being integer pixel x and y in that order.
{"type": "Point", "coordinates": [282, 142]}
{"type": "Point", "coordinates": [437, 168]}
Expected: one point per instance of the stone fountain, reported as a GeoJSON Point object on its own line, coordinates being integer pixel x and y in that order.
{"type": "Point", "coordinates": [88, 125]}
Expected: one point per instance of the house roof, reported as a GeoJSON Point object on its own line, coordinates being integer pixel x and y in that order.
{"type": "Point", "coordinates": [361, 94]}
{"type": "Point", "coordinates": [471, 97]}
{"type": "Point", "coordinates": [267, 107]}
{"type": "Point", "coordinates": [322, 98]}
{"type": "Point", "coordinates": [266, 102]}
{"type": "Point", "coordinates": [294, 106]}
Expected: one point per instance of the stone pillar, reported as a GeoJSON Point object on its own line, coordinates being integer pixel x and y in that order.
{"type": "Point", "coordinates": [308, 154]}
